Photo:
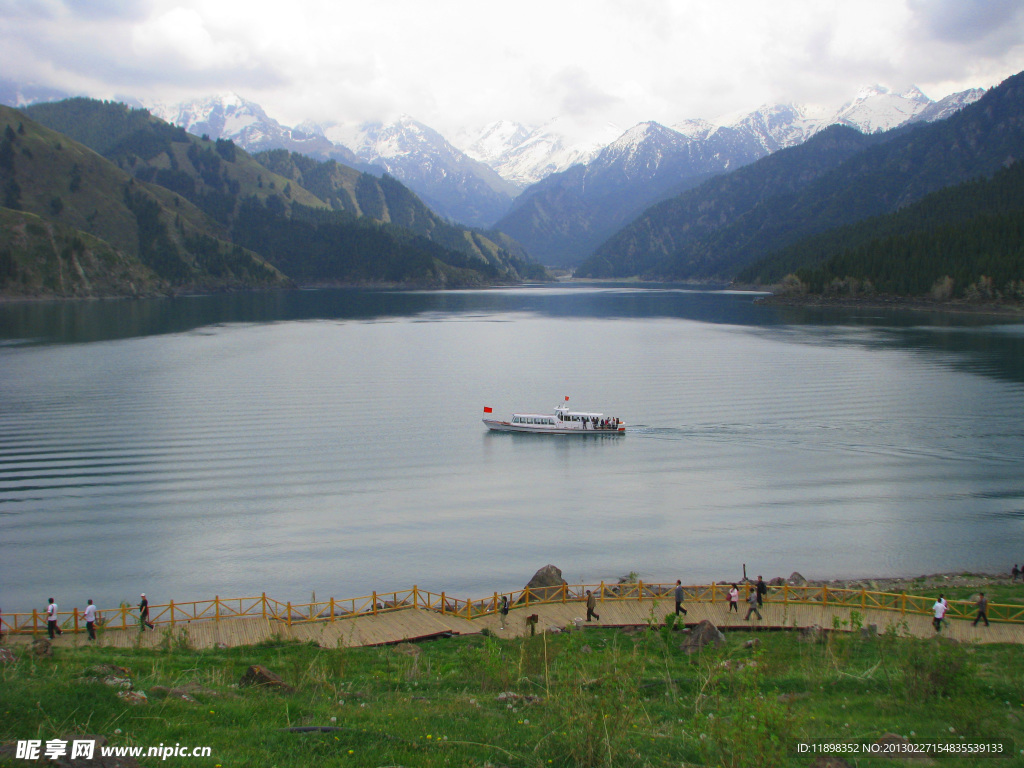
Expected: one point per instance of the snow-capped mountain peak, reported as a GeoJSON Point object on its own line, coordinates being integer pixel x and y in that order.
{"type": "Point", "coordinates": [489, 143]}
{"type": "Point", "coordinates": [876, 108]}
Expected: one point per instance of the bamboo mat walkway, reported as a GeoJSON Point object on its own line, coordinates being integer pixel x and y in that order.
{"type": "Point", "coordinates": [409, 624]}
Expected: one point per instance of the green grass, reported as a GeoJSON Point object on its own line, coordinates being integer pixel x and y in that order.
{"type": "Point", "coordinates": [599, 697]}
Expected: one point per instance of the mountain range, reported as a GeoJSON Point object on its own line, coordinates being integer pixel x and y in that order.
{"type": "Point", "coordinates": [697, 199]}
{"type": "Point", "coordinates": [100, 199]}
{"type": "Point", "coordinates": [839, 176]}
{"type": "Point", "coordinates": [562, 219]}
{"type": "Point", "coordinates": [501, 174]}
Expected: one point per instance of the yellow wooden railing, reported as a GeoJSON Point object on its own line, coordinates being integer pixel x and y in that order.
{"type": "Point", "coordinates": [332, 609]}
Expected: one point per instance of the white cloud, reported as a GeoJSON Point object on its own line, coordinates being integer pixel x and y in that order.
{"type": "Point", "coordinates": [180, 38]}
{"type": "Point", "coordinates": [457, 62]}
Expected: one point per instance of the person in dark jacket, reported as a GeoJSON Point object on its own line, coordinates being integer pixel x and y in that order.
{"type": "Point", "coordinates": [752, 597]}
{"type": "Point", "coordinates": [982, 606]}
{"type": "Point", "coordinates": [144, 614]}
{"type": "Point", "coordinates": [679, 598]}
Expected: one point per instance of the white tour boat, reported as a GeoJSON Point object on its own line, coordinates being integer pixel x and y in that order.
{"type": "Point", "coordinates": [561, 422]}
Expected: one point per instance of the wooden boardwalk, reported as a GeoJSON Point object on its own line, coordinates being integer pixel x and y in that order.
{"type": "Point", "coordinates": [409, 624]}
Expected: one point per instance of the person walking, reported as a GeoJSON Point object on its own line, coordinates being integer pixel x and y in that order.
{"type": "Point", "coordinates": [591, 605]}
{"type": "Point", "coordinates": [90, 620]}
{"type": "Point", "coordinates": [144, 614]}
{"type": "Point", "coordinates": [1015, 572]}
{"type": "Point", "coordinates": [762, 591]}
{"type": "Point", "coordinates": [752, 602]}
{"type": "Point", "coordinates": [503, 611]}
{"type": "Point", "coordinates": [982, 605]}
{"type": "Point", "coordinates": [939, 613]}
{"type": "Point", "coordinates": [51, 620]}
{"type": "Point", "coordinates": [734, 599]}
{"type": "Point", "coordinates": [679, 598]}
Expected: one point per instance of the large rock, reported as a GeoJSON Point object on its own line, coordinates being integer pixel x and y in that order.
{"type": "Point", "coordinates": [259, 675]}
{"type": "Point", "coordinates": [42, 647]}
{"type": "Point", "coordinates": [546, 583]}
{"type": "Point", "coordinates": [705, 633]}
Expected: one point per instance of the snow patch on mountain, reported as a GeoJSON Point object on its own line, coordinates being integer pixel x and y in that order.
{"type": "Point", "coordinates": [525, 155]}
{"type": "Point", "coordinates": [876, 108]}
{"type": "Point", "coordinates": [229, 116]}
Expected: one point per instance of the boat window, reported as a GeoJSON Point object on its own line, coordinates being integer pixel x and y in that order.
{"type": "Point", "coordinates": [515, 419]}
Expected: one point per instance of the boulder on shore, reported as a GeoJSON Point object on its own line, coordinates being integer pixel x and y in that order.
{"type": "Point", "coordinates": [546, 583]}
{"type": "Point", "coordinates": [705, 633]}
{"type": "Point", "coordinates": [42, 647]}
{"type": "Point", "coordinates": [259, 675]}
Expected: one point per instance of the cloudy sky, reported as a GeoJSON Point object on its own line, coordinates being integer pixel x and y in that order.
{"type": "Point", "coordinates": [454, 63]}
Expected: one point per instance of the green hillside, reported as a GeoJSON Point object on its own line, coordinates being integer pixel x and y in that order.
{"type": "Point", "coordinates": [39, 257]}
{"type": "Point", "coordinates": [963, 242]}
{"type": "Point", "coordinates": [388, 201]}
{"type": "Point", "coordinates": [69, 197]}
{"type": "Point", "coordinates": [674, 233]}
{"type": "Point", "coordinates": [726, 224]}
{"type": "Point", "coordinates": [379, 218]}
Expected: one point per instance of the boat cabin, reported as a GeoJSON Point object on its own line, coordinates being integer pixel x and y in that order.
{"type": "Point", "coordinates": [524, 418]}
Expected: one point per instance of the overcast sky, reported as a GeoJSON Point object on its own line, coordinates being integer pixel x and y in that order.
{"type": "Point", "coordinates": [453, 63]}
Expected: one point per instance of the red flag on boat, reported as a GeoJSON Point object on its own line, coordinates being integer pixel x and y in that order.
{"type": "Point", "coordinates": [488, 409]}
{"type": "Point", "coordinates": [567, 398]}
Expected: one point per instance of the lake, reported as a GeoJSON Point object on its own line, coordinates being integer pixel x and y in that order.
{"type": "Point", "coordinates": [331, 442]}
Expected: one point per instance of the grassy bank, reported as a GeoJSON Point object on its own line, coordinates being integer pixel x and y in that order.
{"type": "Point", "coordinates": [584, 698]}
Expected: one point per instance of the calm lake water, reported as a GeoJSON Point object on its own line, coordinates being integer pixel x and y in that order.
{"type": "Point", "coordinates": [331, 441]}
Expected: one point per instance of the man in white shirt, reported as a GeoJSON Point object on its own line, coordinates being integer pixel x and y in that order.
{"type": "Point", "coordinates": [51, 620]}
{"type": "Point", "coordinates": [939, 611]}
{"type": "Point", "coordinates": [90, 620]}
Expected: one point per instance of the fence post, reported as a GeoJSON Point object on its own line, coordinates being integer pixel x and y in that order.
{"type": "Point", "coordinates": [640, 590]}
{"type": "Point", "coordinates": [264, 601]}
{"type": "Point", "coordinates": [172, 613]}
{"type": "Point", "coordinates": [527, 593]}
{"type": "Point", "coordinates": [564, 588]}
{"type": "Point", "coordinates": [863, 599]}
{"type": "Point", "coordinates": [332, 609]}
{"type": "Point", "coordinates": [76, 620]}
{"type": "Point", "coordinates": [444, 606]}
{"type": "Point", "coordinates": [903, 603]}
{"type": "Point", "coordinates": [374, 602]}
{"type": "Point", "coordinates": [712, 592]}
{"type": "Point", "coordinates": [35, 621]}
{"type": "Point", "coordinates": [216, 607]}
{"type": "Point", "coordinates": [124, 617]}
{"type": "Point", "coordinates": [602, 591]}
{"type": "Point", "coordinates": [415, 596]}
{"type": "Point", "coordinates": [288, 618]}
{"type": "Point", "coordinates": [469, 609]}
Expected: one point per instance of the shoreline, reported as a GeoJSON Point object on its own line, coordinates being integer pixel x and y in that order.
{"type": "Point", "coordinates": [916, 304]}
{"type": "Point", "coordinates": [916, 585]}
